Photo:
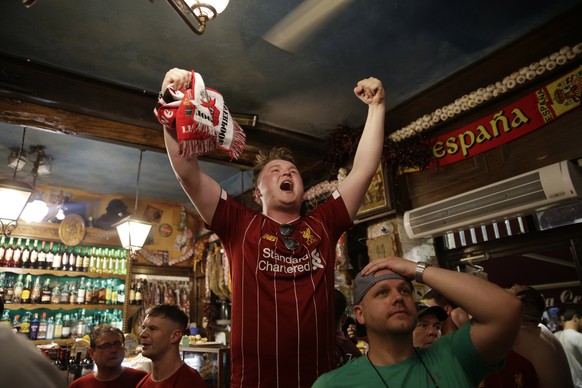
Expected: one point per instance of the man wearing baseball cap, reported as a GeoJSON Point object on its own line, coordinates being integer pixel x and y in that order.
{"type": "Point", "coordinates": [384, 303]}
{"type": "Point", "coordinates": [428, 326]}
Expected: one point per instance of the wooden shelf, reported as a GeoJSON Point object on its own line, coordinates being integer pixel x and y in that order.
{"type": "Point", "coordinates": [67, 341]}
{"type": "Point", "coordinates": [61, 306]}
{"type": "Point", "coordinates": [36, 271]}
{"type": "Point", "coordinates": [49, 231]}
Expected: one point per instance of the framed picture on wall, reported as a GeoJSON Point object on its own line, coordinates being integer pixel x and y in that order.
{"type": "Point", "coordinates": [377, 199]}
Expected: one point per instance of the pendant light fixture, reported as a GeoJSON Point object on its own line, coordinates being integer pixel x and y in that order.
{"type": "Point", "coordinates": [14, 196]}
{"type": "Point", "coordinates": [197, 12]}
{"type": "Point", "coordinates": [133, 230]}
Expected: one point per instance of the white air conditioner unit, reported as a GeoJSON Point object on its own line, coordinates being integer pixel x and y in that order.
{"type": "Point", "coordinates": [521, 195]}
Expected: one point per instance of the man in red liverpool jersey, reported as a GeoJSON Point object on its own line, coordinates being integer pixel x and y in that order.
{"type": "Point", "coordinates": [282, 263]}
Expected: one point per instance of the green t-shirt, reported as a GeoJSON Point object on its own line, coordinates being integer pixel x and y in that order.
{"type": "Point", "coordinates": [452, 360]}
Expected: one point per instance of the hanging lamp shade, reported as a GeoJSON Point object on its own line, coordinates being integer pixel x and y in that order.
{"type": "Point", "coordinates": [13, 198]}
{"type": "Point", "coordinates": [133, 232]}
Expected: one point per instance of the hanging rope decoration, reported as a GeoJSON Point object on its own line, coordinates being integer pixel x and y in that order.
{"type": "Point", "coordinates": [155, 259]}
{"type": "Point", "coordinates": [481, 95]}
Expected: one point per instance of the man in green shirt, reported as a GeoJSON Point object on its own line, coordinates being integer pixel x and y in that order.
{"type": "Point", "coordinates": [385, 305]}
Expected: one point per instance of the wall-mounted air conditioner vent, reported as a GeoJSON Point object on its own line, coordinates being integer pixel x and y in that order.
{"type": "Point", "coordinates": [520, 195]}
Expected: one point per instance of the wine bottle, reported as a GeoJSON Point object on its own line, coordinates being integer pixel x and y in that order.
{"type": "Point", "coordinates": [57, 258]}
{"type": "Point", "coordinates": [45, 292]}
{"type": "Point", "coordinates": [17, 254]}
{"type": "Point", "coordinates": [26, 254]}
{"type": "Point", "coordinates": [42, 256]}
{"type": "Point", "coordinates": [34, 255]}
{"type": "Point", "coordinates": [35, 293]}
{"type": "Point", "coordinates": [50, 256]}
{"type": "Point", "coordinates": [21, 291]}
{"type": "Point", "coordinates": [9, 252]}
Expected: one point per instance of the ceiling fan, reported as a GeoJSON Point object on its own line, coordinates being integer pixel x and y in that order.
{"type": "Point", "coordinates": [303, 23]}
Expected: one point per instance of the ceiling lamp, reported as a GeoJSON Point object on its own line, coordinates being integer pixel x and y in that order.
{"type": "Point", "coordinates": [13, 198]}
{"type": "Point", "coordinates": [133, 230]}
{"type": "Point", "coordinates": [196, 13]}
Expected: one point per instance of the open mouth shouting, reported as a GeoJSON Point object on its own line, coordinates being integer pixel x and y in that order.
{"type": "Point", "coordinates": [286, 185]}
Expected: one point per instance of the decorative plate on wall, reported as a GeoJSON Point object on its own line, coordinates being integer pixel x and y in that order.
{"type": "Point", "coordinates": [165, 230]}
{"type": "Point", "coordinates": [72, 229]}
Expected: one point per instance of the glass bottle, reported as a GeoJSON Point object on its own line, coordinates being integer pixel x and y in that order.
{"type": "Point", "coordinates": [50, 328]}
{"type": "Point", "coordinates": [64, 299]}
{"type": "Point", "coordinates": [9, 294]}
{"type": "Point", "coordinates": [78, 260]}
{"type": "Point", "coordinates": [73, 293]}
{"type": "Point", "coordinates": [95, 292]}
{"type": "Point", "coordinates": [92, 261]}
{"type": "Point", "coordinates": [50, 256]}
{"type": "Point", "coordinates": [25, 324]}
{"type": "Point", "coordinates": [88, 292]}
{"type": "Point", "coordinates": [58, 258]}
{"type": "Point", "coordinates": [56, 294]}
{"type": "Point", "coordinates": [42, 327]}
{"type": "Point", "coordinates": [5, 320]}
{"type": "Point", "coordinates": [66, 330]}
{"type": "Point", "coordinates": [34, 255]}
{"type": "Point", "coordinates": [26, 254]}
{"type": "Point", "coordinates": [114, 294]}
{"type": "Point", "coordinates": [64, 258]}
{"type": "Point", "coordinates": [108, 292]}
{"type": "Point", "coordinates": [35, 293]}
{"type": "Point", "coordinates": [98, 260]}
{"type": "Point", "coordinates": [2, 251]}
{"type": "Point", "coordinates": [86, 260]}
{"type": "Point", "coordinates": [34, 324]}
{"type": "Point", "coordinates": [17, 255]}
{"type": "Point", "coordinates": [138, 294]}
{"type": "Point", "coordinates": [9, 253]}
{"type": "Point", "coordinates": [121, 294]}
{"type": "Point", "coordinates": [42, 256]}
{"type": "Point", "coordinates": [21, 292]}
{"type": "Point", "coordinates": [81, 291]}
{"type": "Point", "coordinates": [105, 261]}
{"type": "Point", "coordinates": [102, 292]}
{"type": "Point", "coordinates": [72, 260]}
{"type": "Point", "coordinates": [58, 326]}
{"type": "Point", "coordinates": [132, 293]}
{"type": "Point", "coordinates": [45, 292]}
{"type": "Point", "coordinates": [2, 285]}
{"type": "Point", "coordinates": [16, 324]}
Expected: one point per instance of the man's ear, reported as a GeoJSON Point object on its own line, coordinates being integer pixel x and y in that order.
{"type": "Point", "coordinates": [359, 315]}
{"type": "Point", "coordinates": [257, 196]}
{"type": "Point", "coordinates": [176, 336]}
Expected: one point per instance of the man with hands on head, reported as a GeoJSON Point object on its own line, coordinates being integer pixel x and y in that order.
{"type": "Point", "coordinates": [385, 305]}
{"type": "Point", "coordinates": [282, 262]}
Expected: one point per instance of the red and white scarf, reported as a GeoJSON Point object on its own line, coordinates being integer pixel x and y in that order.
{"type": "Point", "coordinates": [201, 119]}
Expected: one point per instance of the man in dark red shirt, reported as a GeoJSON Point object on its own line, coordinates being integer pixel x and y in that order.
{"type": "Point", "coordinates": [282, 263]}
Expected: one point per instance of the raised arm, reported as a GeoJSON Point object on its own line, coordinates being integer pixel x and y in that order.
{"type": "Point", "coordinates": [496, 313]}
{"type": "Point", "coordinates": [369, 151]}
{"type": "Point", "coordinates": [203, 191]}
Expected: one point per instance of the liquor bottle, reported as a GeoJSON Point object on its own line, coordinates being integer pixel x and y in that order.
{"type": "Point", "coordinates": [64, 294]}
{"type": "Point", "coordinates": [5, 320]}
{"type": "Point", "coordinates": [121, 294]}
{"type": "Point", "coordinates": [73, 293]}
{"type": "Point", "coordinates": [81, 291]}
{"type": "Point", "coordinates": [78, 260]}
{"type": "Point", "coordinates": [58, 258]}
{"type": "Point", "coordinates": [123, 264]}
{"type": "Point", "coordinates": [9, 294]}
{"type": "Point", "coordinates": [2, 251]}
{"type": "Point", "coordinates": [17, 255]}
{"type": "Point", "coordinates": [50, 256]}
{"type": "Point", "coordinates": [50, 329]}
{"type": "Point", "coordinates": [45, 292]}
{"type": "Point", "coordinates": [86, 260]}
{"type": "Point", "coordinates": [88, 292]}
{"type": "Point", "coordinates": [26, 254]}
{"type": "Point", "coordinates": [95, 292]}
{"type": "Point", "coordinates": [64, 259]}
{"type": "Point", "coordinates": [21, 292]}
{"type": "Point", "coordinates": [92, 261]}
{"type": "Point", "coordinates": [34, 255]}
{"type": "Point", "coordinates": [111, 263]}
{"type": "Point", "coordinates": [114, 294]}
{"type": "Point", "coordinates": [58, 326]}
{"type": "Point", "coordinates": [16, 324]}
{"type": "Point", "coordinates": [42, 327]}
{"type": "Point", "coordinates": [9, 252]}
{"type": "Point", "coordinates": [34, 324]}
{"type": "Point", "coordinates": [108, 292]}
{"type": "Point", "coordinates": [42, 256]}
{"type": "Point", "coordinates": [2, 285]}
{"type": "Point", "coordinates": [80, 324]}
{"type": "Point", "coordinates": [25, 324]}
{"type": "Point", "coordinates": [66, 330]}
{"type": "Point", "coordinates": [56, 294]}
{"type": "Point", "coordinates": [138, 294]}
{"type": "Point", "coordinates": [132, 293]}
{"type": "Point", "coordinates": [102, 293]}
{"type": "Point", "coordinates": [35, 293]}
{"type": "Point", "coordinates": [72, 259]}
{"type": "Point", "coordinates": [98, 260]}
{"type": "Point", "coordinates": [105, 261]}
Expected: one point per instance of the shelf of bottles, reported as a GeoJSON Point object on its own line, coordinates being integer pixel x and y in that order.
{"type": "Point", "coordinates": [54, 292]}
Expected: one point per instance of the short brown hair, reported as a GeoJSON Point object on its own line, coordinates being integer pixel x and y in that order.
{"type": "Point", "coordinates": [276, 153]}
{"type": "Point", "coordinates": [104, 328]}
{"type": "Point", "coordinates": [171, 312]}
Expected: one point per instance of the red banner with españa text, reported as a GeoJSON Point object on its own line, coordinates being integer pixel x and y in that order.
{"type": "Point", "coordinates": [513, 121]}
